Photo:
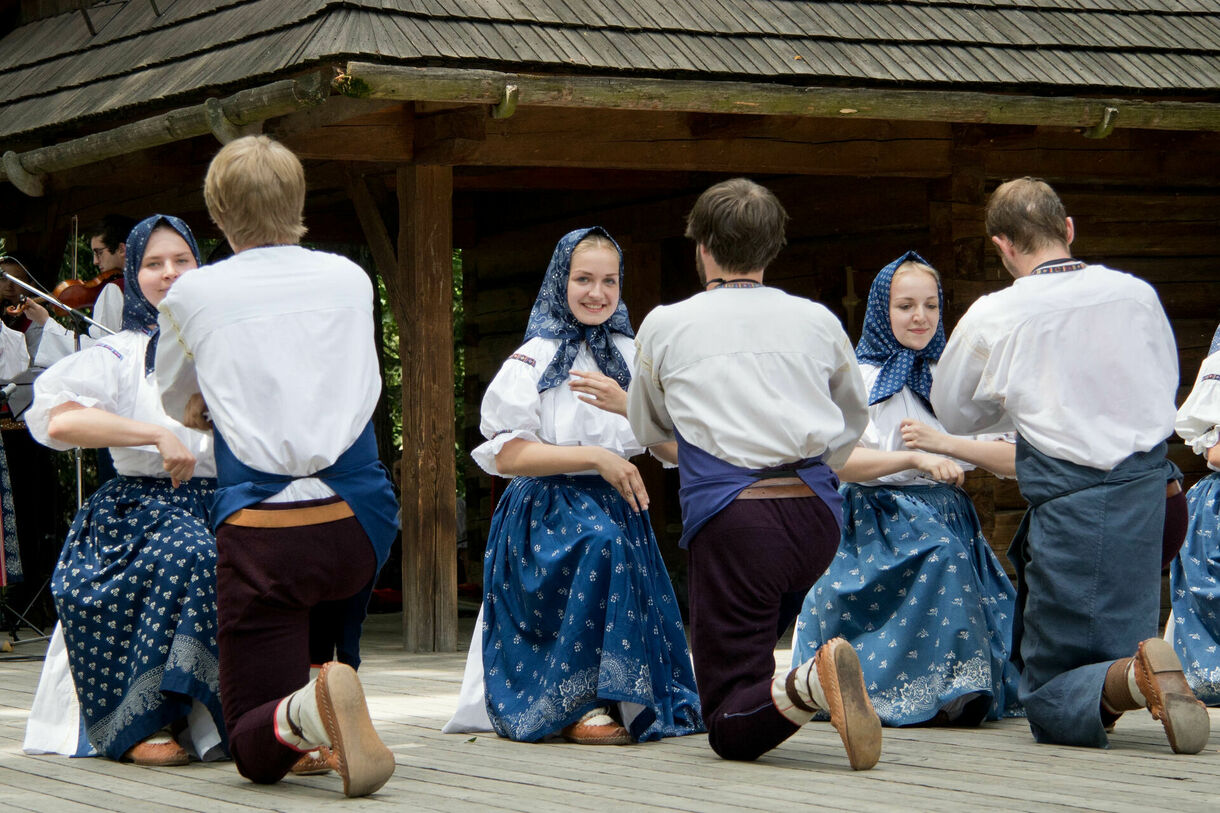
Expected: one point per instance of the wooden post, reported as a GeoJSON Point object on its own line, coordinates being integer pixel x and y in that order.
{"type": "Point", "coordinates": [429, 485]}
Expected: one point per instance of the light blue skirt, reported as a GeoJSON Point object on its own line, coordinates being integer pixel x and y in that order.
{"type": "Point", "coordinates": [579, 613]}
{"type": "Point", "coordinates": [1194, 579]}
{"type": "Point", "coordinates": [918, 591]}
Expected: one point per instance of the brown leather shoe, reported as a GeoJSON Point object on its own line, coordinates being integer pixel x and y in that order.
{"type": "Point", "coordinates": [1158, 673]}
{"type": "Point", "coordinates": [361, 758]}
{"type": "Point", "coordinates": [597, 727]}
{"type": "Point", "coordinates": [159, 750]}
{"type": "Point", "coordinates": [314, 763]}
{"type": "Point", "coordinates": [851, 712]}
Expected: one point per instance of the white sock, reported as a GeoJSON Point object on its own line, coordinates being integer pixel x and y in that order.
{"type": "Point", "coordinates": [808, 689]}
{"type": "Point", "coordinates": [300, 710]}
{"type": "Point", "coordinates": [1133, 687]}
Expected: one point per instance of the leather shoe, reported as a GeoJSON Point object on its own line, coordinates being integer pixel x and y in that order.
{"type": "Point", "coordinates": [597, 727]}
{"type": "Point", "coordinates": [159, 750]}
{"type": "Point", "coordinates": [361, 758]}
{"type": "Point", "coordinates": [851, 712]}
{"type": "Point", "coordinates": [313, 763]}
{"type": "Point", "coordinates": [1158, 673]}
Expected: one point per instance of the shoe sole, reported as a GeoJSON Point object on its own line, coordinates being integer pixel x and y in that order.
{"type": "Point", "coordinates": [361, 757]}
{"type": "Point", "coordinates": [851, 712]}
{"type": "Point", "coordinates": [1184, 718]}
{"type": "Point", "coordinates": [597, 735]}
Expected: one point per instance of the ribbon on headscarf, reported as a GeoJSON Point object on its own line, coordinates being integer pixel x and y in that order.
{"type": "Point", "coordinates": [551, 318]}
{"type": "Point", "coordinates": [138, 313]}
{"type": "Point", "coordinates": [900, 365]}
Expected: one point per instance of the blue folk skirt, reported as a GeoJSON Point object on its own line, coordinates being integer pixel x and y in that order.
{"type": "Point", "coordinates": [579, 612]}
{"type": "Point", "coordinates": [1194, 579]}
{"type": "Point", "coordinates": [135, 587]}
{"type": "Point", "coordinates": [918, 591]}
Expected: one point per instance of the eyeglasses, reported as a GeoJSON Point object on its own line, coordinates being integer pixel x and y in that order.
{"type": "Point", "coordinates": [97, 252]}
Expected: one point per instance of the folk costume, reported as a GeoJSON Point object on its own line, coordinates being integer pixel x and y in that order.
{"type": "Point", "coordinates": [1194, 629]}
{"type": "Point", "coordinates": [14, 358]}
{"type": "Point", "coordinates": [578, 610]}
{"type": "Point", "coordinates": [755, 385]}
{"type": "Point", "coordinates": [135, 583]}
{"type": "Point", "coordinates": [304, 511]}
{"type": "Point", "coordinates": [1081, 361]}
{"type": "Point", "coordinates": [914, 586]}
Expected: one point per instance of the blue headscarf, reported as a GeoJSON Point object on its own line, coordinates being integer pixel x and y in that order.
{"type": "Point", "coordinates": [551, 318]}
{"type": "Point", "coordinates": [1215, 342]}
{"type": "Point", "coordinates": [138, 313]}
{"type": "Point", "coordinates": [900, 366]}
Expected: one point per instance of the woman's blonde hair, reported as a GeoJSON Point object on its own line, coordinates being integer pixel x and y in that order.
{"type": "Point", "coordinates": [255, 193]}
{"type": "Point", "coordinates": [594, 240]}
{"type": "Point", "coordinates": [911, 265]}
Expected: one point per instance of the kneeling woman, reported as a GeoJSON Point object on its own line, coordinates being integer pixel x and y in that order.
{"type": "Point", "coordinates": [915, 586]}
{"type": "Point", "coordinates": [581, 633]}
{"type": "Point", "coordinates": [135, 586]}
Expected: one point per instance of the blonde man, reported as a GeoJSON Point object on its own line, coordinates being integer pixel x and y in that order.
{"type": "Point", "coordinates": [274, 348]}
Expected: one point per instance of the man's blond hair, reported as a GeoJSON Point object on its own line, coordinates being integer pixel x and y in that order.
{"type": "Point", "coordinates": [255, 192]}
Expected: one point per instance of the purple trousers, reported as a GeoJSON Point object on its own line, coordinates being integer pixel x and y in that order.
{"type": "Point", "coordinates": [267, 579]}
{"type": "Point", "coordinates": [750, 568]}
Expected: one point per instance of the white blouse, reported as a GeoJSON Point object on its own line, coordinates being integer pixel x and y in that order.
{"type": "Point", "coordinates": [14, 357]}
{"type": "Point", "coordinates": [110, 376]}
{"type": "Point", "coordinates": [1199, 415]}
{"type": "Point", "coordinates": [884, 432]}
{"type": "Point", "coordinates": [513, 407]}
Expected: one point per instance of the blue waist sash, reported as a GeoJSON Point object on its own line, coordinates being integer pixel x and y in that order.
{"type": "Point", "coordinates": [709, 484]}
{"type": "Point", "coordinates": [357, 477]}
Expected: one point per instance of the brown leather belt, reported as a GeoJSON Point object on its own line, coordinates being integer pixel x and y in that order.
{"type": "Point", "coordinates": [289, 517]}
{"type": "Point", "coordinates": [779, 488]}
{"type": "Point", "coordinates": [1173, 488]}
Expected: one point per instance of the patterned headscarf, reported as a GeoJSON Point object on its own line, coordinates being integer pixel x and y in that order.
{"type": "Point", "coordinates": [138, 313]}
{"type": "Point", "coordinates": [1215, 342]}
{"type": "Point", "coordinates": [551, 318]}
{"type": "Point", "coordinates": [900, 365]}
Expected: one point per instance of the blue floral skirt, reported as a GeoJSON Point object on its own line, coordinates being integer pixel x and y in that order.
{"type": "Point", "coordinates": [1194, 580]}
{"type": "Point", "coordinates": [135, 587]}
{"type": "Point", "coordinates": [918, 591]}
{"type": "Point", "coordinates": [579, 612]}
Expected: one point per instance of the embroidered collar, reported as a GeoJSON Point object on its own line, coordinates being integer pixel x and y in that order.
{"type": "Point", "coordinates": [1058, 266]}
{"type": "Point", "coordinates": [720, 282]}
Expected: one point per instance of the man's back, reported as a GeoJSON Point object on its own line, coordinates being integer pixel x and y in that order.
{"type": "Point", "coordinates": [1084, 364]}
{"type": "Point", "coordinates": [754, 376]}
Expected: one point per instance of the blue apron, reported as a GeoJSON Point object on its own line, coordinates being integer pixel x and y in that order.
{"type": "Point", "coordinates": [709, 485]}
{"type": "Point", "coordinates": [358, 477]}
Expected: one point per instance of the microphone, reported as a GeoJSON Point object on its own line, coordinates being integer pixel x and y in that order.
{"type": "Point", "coordinates": [7, 391]}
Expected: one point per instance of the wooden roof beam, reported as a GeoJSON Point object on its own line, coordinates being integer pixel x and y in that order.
{"type": "Point", "coordinates": [225, 117]}
{"type": "Point", "coordinates": [403, 83]}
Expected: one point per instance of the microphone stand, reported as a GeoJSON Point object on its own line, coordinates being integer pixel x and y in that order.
{"type": "Point", "coordinates": [80, 324]}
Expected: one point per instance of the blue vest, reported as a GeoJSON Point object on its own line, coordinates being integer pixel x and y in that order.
{"type": "Point", "coordinates": [357, 476]}
{"type": "Point", "coordinates": [709, 484]}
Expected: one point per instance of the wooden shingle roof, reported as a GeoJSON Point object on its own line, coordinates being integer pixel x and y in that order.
{"type": "Point", "coordinates": [55, 73]}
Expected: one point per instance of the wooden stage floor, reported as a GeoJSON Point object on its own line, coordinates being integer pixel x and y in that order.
{"type": "Point", "coordinates": [995, 767]}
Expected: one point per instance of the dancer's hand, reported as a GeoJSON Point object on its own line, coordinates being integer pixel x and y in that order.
{"type": "Point", "coordinates": [920, 436]}
{"type": "Point", "coordinates": [177, 459]}
{"type": "Point", "coordinates": [600, 390]}
{"type": "Point", "coordinates": [195, 416]}
{"type": "Point", "coordinates": [625, 477]}
{"type": "Point", "coordinates": [940, 468]}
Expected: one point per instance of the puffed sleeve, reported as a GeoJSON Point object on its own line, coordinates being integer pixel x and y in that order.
{"type": "Point", "coordinates": [963, 395]}
{"type": "Point", "coordinates": [101, 376]}
{"type": "Point", "coordinates": [848, 392]}
{"type": "Point", "coordinates": [1200, 414]}
{"type": "Point", "coordinates": [14, 357]}
{"type": "Point", "coordinates": [512, 405]}
{"type": "Point", "coordinates": [646, 411]}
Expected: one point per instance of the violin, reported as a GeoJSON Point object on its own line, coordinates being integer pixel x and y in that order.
{"type": "Point", "coordinates": [82, 293]}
